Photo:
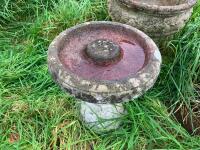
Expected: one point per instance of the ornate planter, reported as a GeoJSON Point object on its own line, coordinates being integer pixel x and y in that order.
{"type": "Point", "coordinates": [104, 64]}
{"type": "Point", "coordinates": [157, 18]}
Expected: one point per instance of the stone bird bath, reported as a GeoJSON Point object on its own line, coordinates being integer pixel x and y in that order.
{"type": "Point", "coordinates": [157, 18]}
{"type": "Point", "coordinates": [104, 64]}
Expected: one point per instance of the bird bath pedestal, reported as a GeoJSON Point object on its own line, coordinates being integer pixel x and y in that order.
{"type": "Point", "coordinates": [104, 64]}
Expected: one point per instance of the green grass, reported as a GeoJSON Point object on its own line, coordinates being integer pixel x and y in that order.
{"type": "Point", "coordinates": [41, 116]}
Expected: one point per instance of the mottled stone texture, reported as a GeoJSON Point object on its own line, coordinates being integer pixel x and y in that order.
{"type": "Point", "coordinates": [103, 52]}
{"type": "Point", "coordinates": [101, 104]}
{"type": "Point", "coordinates": [105, 91]}
{"type": "Point", "coordinates": [101, 117]}
{"type": "Point", "coordinates": [157, 18]}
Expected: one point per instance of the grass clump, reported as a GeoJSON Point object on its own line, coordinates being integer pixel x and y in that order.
{"type": "Point", "coordinates": [36, 114]}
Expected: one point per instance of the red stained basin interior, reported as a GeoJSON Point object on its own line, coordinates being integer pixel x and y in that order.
{"type": "Point", "coordinates": [73, 58]}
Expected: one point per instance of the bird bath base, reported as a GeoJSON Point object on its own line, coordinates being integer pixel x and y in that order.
{"type": "Point", "coordinates": [101, 117]}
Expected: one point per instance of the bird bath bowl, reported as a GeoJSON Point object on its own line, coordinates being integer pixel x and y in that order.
{"type": "Point", "coordinates": [157, 18]}
{"type": "Point", "coordinates": [104, 64]}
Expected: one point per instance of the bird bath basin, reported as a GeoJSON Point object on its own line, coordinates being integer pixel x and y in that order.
{"type": "Point", "coordinates": [157, 18]}
{"type": "Point", "coordinates": [104, 64]}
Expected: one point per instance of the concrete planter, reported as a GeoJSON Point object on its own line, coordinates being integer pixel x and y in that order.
{"type": "Point", "coordinates": [157, 18]}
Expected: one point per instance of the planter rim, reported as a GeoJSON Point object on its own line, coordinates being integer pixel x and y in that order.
{"type": "Point", "coordinates": [160, 9]}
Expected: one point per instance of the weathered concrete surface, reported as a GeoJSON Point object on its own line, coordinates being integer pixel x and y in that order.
{"type": "Point", "coordinates": [105, 91]}
{"type": "Point", "coordinates": [103, 52]}
{"type": "Point", "coordinates": [101, 117]}
{"type": "Point", "coordinates": [157, 18]}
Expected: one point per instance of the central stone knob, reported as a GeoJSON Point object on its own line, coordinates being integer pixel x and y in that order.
{"type": "Point", "coordinates": [103, 52]}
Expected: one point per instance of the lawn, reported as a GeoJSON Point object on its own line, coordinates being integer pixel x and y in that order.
{"type": "Point", "coordinates": [36, 114]}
